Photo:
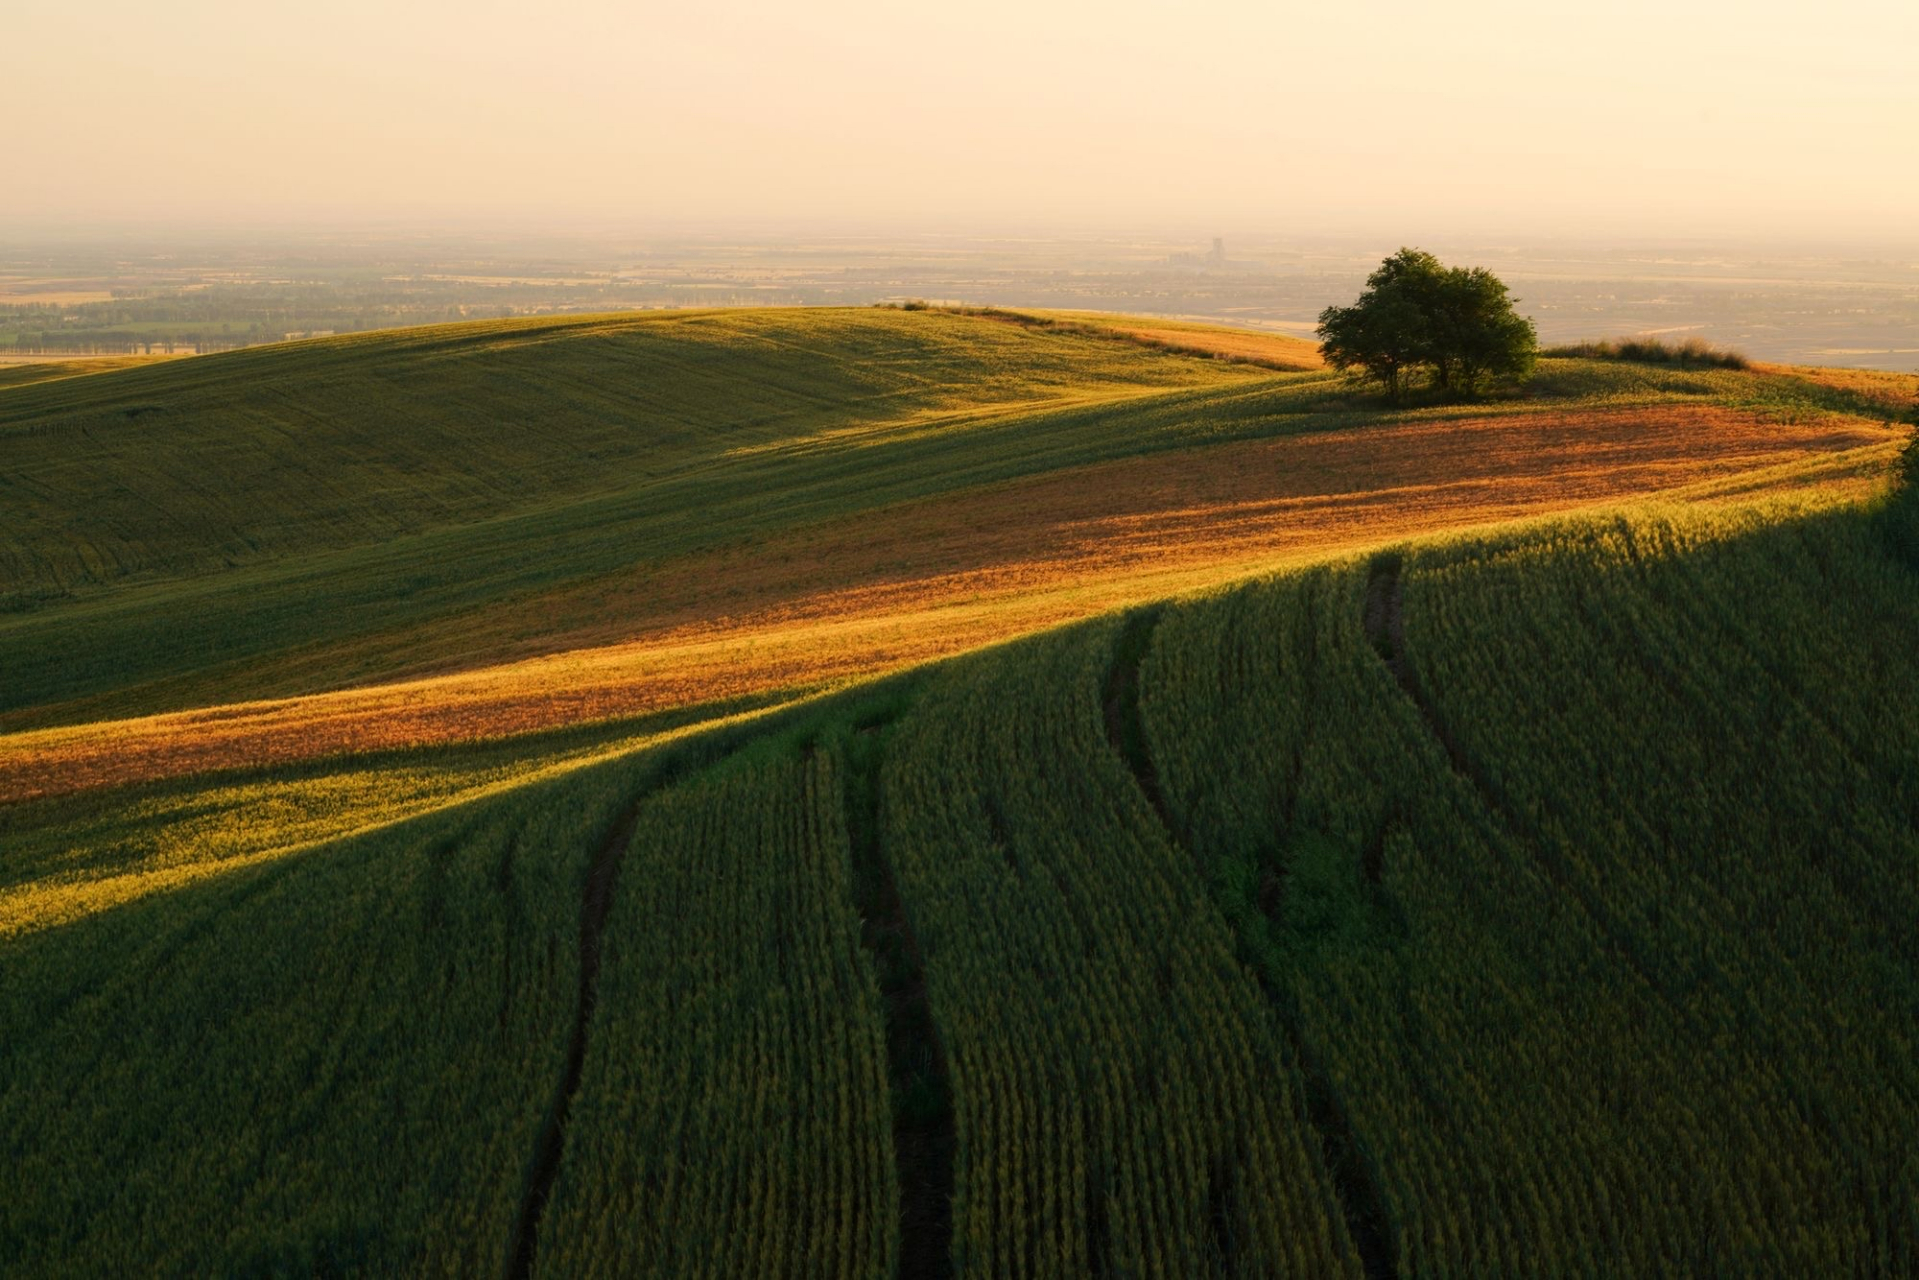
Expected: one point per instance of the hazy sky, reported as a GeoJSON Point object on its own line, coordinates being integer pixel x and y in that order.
{"type": "Point", "coordinates": [1631, 117]}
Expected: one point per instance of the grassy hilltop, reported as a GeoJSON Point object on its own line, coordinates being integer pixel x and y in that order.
{"type": "Point", "coordinates": [896, 792]}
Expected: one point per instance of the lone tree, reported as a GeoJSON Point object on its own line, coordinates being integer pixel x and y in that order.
{"type": "Point", "coordinates": [1457, 322]}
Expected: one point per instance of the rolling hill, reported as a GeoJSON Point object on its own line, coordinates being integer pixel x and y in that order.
{"type": "Point", "coordinates": [885, 792]}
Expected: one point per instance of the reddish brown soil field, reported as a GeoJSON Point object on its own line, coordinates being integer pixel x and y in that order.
{"type": "Point", "coordinates": [928, 579]}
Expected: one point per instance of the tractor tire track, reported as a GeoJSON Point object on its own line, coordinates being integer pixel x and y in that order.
{"type": "Point", "coordinates": [551, 1142]}
{"type": "Point", "coordinates": [1383, 618]}
{"type": "Point", "coordinates": [596, 903]}
{"type": "Point", "coordinates": [923, 1130]}
{"type": "Point", "coordinates": [1361, 1199]}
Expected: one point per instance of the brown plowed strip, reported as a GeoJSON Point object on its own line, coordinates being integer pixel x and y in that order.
{"type": "Point", "coordinates": [923, 580]}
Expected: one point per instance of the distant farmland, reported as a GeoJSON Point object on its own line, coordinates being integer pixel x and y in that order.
{"type": "Point", "coordinates": [884, 792]}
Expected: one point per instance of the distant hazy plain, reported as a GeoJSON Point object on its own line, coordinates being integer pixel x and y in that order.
{"type": "Point", "coordinates": [1834, 304]}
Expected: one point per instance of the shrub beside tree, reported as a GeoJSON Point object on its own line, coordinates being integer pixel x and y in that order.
{"type": "Point", "coordinates": [1693, 353]}
{"type": "Point", "coordinates": [1457, 323]}
{"type": "Point", "coordinates": [1902, 511]}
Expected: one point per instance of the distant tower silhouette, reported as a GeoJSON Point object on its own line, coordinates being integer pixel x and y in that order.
{"type": "Point", "coordinates": [1219, 251]}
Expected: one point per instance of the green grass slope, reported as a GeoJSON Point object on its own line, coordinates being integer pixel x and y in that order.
{"type": "Point", "coordinates": [251, 503]}
{"type": "Point", "coordinates": [207, 464]}
{"type": "Point", "coordinates": [285, 519]}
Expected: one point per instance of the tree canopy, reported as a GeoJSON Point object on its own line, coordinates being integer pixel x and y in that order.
{"type": "Point", "coordinates": [1457, 323]}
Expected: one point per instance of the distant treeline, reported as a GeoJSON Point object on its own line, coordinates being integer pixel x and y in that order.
{"type": "Point", "coordinates": [223, 317]}
{"type": "Point", "coordinates": [90, 342]}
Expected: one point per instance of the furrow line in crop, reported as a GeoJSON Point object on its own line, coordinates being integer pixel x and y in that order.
{"type": "Point", "coordinates": [1385, 624]}
{"type": "Point", "coordinates": [1124, 727]}
{"type": "Point", "coordinates": [545, 1166]}
{"type": "Point", "coordinates": [596, 902]}
{"type": "Point", "coordinates": [1383, 619]}
{"type": "Point", "coordinates": [1362, 1201]}
{"type": "Point", "coordinates": [923, 1128]}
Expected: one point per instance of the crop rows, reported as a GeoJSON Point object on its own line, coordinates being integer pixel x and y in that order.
{"type": "Point", "coordinates": [1123, 1102]}
{"type": "Point", "coordinates": [334, 1061]}
{"type": "Point", "coordinates": [733, 1115]}
{"type": "Point", "coordinates": [1581, 925]}
{"type": "Point", "coordinates": [1744, 799]}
